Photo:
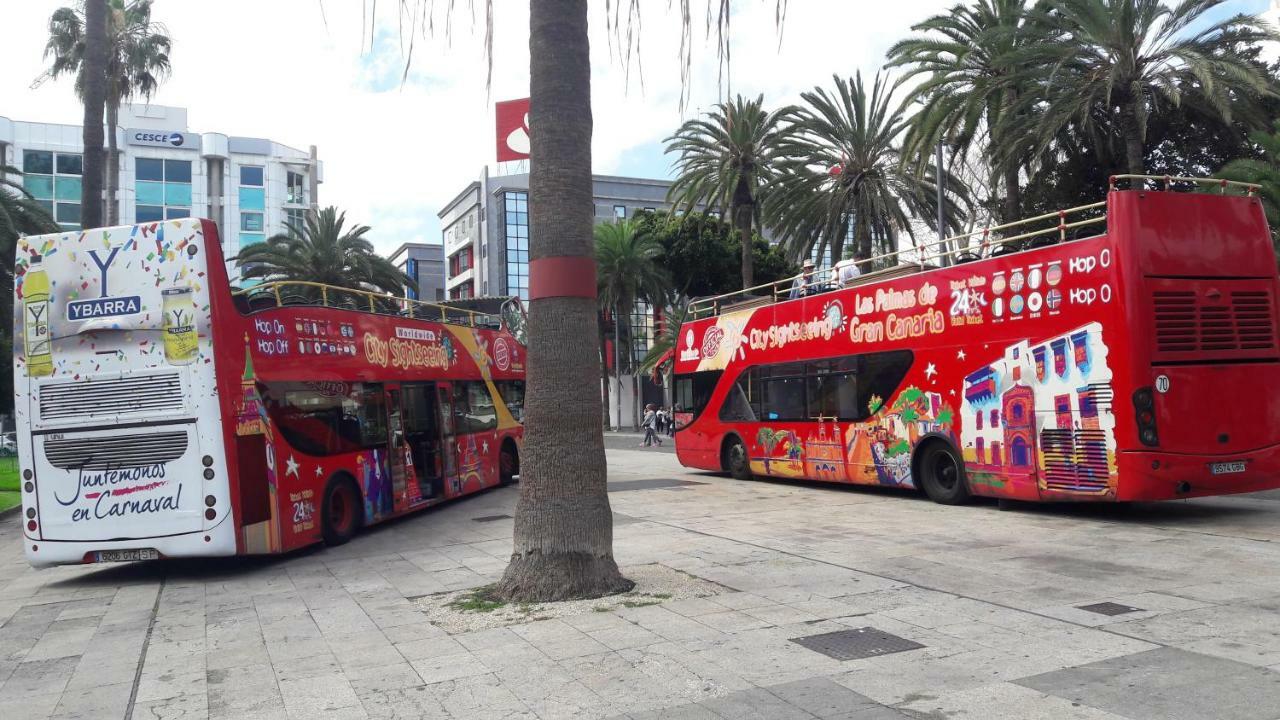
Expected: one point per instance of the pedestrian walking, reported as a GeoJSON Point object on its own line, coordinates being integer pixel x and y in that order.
{"type": "Point", "coordinates": [650, 424]}
{"type": "Point", "coordinates": [660, 424]}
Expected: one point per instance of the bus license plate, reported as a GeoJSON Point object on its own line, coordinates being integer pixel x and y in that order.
{"type": "Point", "coordinates": [105, 556]}
{"type": "Point", "coordinates": [1226, 468]}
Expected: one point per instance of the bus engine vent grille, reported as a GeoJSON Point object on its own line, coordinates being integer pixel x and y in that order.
{"type": "Point", "coordinates": [114, 397]}
{"type": "Point", "coordinates": [1075, 460]}
{"type": "Point", "coordinates": [116, 452]}
{"type": "Point", "coordinates": [1217, 325]}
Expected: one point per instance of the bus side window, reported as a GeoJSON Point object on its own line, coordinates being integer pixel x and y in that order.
{"type": "Point", "coordinates": [880, 374]}
{"type": "Point", "coordinates": [693, 391]}
{"type": "Point", "coordinates": [371, 413]}
{"type": "Point", "coordinates": [473, 407]}
{"type": "Point", "coordinates": [737, 405]}
{"type": "Point", "coordinates": [512, 392]}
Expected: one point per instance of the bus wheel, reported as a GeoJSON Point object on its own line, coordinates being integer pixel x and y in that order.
{"type": "Point", "coordinates": [734, 459]}
{"type": "Point", "coordinates": [340, 514]}
{"type": "Point", "coordinates": [508, 463]}
{"type": "Point", "coordinates": [942, 475]}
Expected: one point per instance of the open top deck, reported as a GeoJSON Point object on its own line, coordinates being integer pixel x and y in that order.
{"type": "Point", "coordinates": [1061, 226]}
{"type": "Point", "coordinates": [492, 313]}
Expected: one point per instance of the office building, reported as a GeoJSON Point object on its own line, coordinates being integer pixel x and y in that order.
{"type": "Point", "coordinates": [424, 262]}
{"type": "Point", "coordinates": [486, 229]}
{"type": "Point", "coordinates": [486, 247]}
{"type": "Point", "coordinates": [249, 186]}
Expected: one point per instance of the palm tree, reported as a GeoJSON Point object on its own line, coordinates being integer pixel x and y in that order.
{"type": "Point", "coordinates": [137, 61]}
{"type": "Point", "coordinates": [323, 251]}
{"type": "Point", "coordinates": [724, 163]}
{"type": "Point", "coordinates": [1265, 172]}
{"type": "Point", "coordinates": [969, 83]}
{"type": "Point", "coordinates": [93, 93]}
{"type": "Point", "coordinates": [845, 173]}
{"type": "Point", "coordinates": [628, 270]}
{"type": "Point", "coordinates": [20, 214]}
{"type": "Point", "coordinates": [563, 537]}
{"type": "Point", "coordinates": [1124, 58]}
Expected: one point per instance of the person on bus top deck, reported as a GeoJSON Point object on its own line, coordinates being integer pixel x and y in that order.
{"type": "Point", "coordinates": [800, 285]}
{"type": "Point", "coordinates": [846, 271]}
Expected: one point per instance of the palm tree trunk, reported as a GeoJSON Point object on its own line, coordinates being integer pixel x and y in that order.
{"type": "Point", "coordinates": [563, 540]}
{"type": "Point", "coordinates": [1011, 193]}
{"type": "Point", "coordinates": [743, 213]}
{"type": "Point", "coordinates": [95, 94]}
{"type": "Point", "coordinates": [1131, 128]}
{"type": "Point", "coordinates": [113, 162]}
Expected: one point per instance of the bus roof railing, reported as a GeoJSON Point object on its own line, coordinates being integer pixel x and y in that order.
{"type": "Point", "coordinates": [295, 293]}
{"type": "Point", "coordinates": [895, 264]}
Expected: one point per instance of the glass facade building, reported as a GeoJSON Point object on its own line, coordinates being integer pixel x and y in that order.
{"type": "Point", "coordinates": [516, 234]}
{"type": "Point", "coordinates": [53, 179]}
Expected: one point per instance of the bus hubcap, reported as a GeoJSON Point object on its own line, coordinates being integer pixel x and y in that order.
{"type": "Point", "coordinates": [946, 472]}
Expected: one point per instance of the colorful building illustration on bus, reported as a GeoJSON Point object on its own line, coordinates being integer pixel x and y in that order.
{"type": "Point", "coordinates": [1043, 411]}
{"type": "Point", "coordinates": [874, 451]}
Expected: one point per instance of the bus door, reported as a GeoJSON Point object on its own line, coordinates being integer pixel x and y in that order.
{"type": "Point", "coordinates": [398, 453]}
{"type": "Point", "coordinates": [423, 439]}
{"type": "Point", "coordinates": [448, 436]}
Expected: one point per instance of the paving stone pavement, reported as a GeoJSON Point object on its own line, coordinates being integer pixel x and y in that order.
{"type": "Point", "coordinates": [992, 597]}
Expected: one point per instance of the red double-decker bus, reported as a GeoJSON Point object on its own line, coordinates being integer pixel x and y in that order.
{"type": "Point", "coordinates": [161, 414]}
{"type": "Point", "coordinates": [1119, 351]}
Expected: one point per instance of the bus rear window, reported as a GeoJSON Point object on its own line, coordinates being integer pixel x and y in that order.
{"type": "Point", "coordinates": [692, 393]}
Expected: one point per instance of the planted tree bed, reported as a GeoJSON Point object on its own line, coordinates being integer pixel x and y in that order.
{"type": "Point", "coordinates": [480, 609]}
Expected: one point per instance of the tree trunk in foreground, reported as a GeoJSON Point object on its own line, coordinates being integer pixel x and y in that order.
{"type": "Point", "coordinates": [95, 94]}
{"type": "Point", "coordinates": [112, 183]}
{"type": "Point", "coordinates": [563, 542]}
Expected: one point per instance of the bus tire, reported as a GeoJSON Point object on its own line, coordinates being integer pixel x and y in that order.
{"type": "Point", "coordinates": [941, 474]}
{"type": "Point", "coordinates": [508, 462]}
{"type": "Point", "coordinates": [733, 458]}
{"type": "Point", "coordinates": [340, 513]}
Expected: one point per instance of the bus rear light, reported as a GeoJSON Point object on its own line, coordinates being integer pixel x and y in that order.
{"type": "Point", "coordinates": [31, 513]}
{"type": "Point", "coordinates": [210, 501]}
{"type": "Point", "coordinates": [26, 474]}
{"type": "Point", "coordinates": [208, 473]}
{"type": "Point", "coordinates": [1144, 402]}
{"type": "Point", "coordinates": [210, 514]}
{"type": "Point", "coordinates": [31, 525]}
{"type": "Point", "coordinates": [207, 461]}
{"type": "Point", "coordinates": [29, 486]}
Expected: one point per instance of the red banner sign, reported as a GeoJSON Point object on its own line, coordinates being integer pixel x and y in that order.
{"type": "Point", "coordinates": [512, 126]}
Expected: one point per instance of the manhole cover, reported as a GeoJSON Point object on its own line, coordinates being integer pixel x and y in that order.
{"type": "Point", "coordinates": [491, 518]}
{"type": "Point", "coordinates": [1108, 608]}
{"type": "Point", "coordinates": [649, 484]}
{"type": "Point", "coordinates": [857, 643]}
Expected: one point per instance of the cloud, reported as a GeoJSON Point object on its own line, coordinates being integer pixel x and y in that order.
{"type": "Point", "coordinates": [395, 152]}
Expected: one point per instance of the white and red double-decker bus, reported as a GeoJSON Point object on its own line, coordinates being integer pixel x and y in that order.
{"type": "Point", "coordinates": [160, 414]}
{"type": "Point", "coordinates": [1124, 350]}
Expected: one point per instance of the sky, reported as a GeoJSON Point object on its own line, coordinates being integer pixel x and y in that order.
{"type": "Point", "coordinates": [396, 148]}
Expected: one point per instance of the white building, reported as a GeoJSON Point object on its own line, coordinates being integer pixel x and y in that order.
{"type": "Point", "coordinates": [249, 186]}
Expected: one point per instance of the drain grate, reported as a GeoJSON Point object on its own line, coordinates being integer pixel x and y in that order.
{"type": "Point", "coordinates": [1108, 608]}
{"type": "Point", "coordinates": [855, 644]}
{"type": "Point", "coordinates": [491, 518]}
{"type": "Point", "coordinates": [649, 484]}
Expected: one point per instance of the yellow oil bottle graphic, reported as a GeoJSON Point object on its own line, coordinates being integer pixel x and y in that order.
{"type": "Point", "coordinates": [35, 319]}
{"type": "Point", "coordinates": [181, 342]}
